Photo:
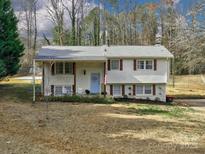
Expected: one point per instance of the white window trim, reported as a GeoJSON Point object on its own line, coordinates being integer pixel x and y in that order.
{"type": "Point", "coordinates": [143, 94]}
{"type": "Point", "coordinates": [111, 64]}
{"type": "Point", "coordinates": [146, 64]}
{"type": "Point", "coordinates": [63, 68]}
{"type": "Point", "coordinates": [63, 86]}
{"type": "Point", "coordinates": [120, 91]}
{"type": "Point", "coordinates": [144, 60]}
{"type": "Point", "coordinates": [56, 69]}
{"type": "Point", "coordinates": [55, 90]}
{"type": "Point", "coordinates": [139, 65]}
{"type": "Point", "coordinates": [151, 89]}
{"type": "Point", "coordinates": [137, 92]}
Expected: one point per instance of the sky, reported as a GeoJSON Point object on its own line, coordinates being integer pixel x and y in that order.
{"type": "Point", "coordinates": [45, 25]}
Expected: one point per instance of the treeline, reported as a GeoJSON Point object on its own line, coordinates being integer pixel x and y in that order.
{"type": "Point", "coordinates": [77, 22]}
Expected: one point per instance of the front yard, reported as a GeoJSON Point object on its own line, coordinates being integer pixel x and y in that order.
{"type": "Point", "coordinates": [187, 86]}
{"type": "Point", "coordinates": [94, 128]}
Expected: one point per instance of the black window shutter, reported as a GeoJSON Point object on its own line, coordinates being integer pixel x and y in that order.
{"type": "Point", "coordinates": [121, 64]}
{"type": "Point", "coordinates": [111, 90]}
{"type": "Point", "coordinates": [155, 64]}
{"type": "Point", "coordinates": [108, 65]}
{"type": "Point", "coordinates": [52, 90]}
{"type": "Point", "coordinates": [53, 69]}
{"type": "Point", "coordinates": [135, 64]}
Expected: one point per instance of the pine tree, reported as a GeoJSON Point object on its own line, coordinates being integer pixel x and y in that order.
{"type": "Point", "coordinates": [11, 48]}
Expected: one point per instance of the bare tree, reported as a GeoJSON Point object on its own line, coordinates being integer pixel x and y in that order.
{"type": "Point", "coordinates": [73, 8]}
{"type": "Point", "coordinates": [56, 14]}
{"type": "Point", "coordinates": [28, 17]}
{"type": "Point", "coordinates": [30, 7]}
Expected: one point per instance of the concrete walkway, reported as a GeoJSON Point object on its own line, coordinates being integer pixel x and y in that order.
{"type": "Point", "coordinates": [28, 78]}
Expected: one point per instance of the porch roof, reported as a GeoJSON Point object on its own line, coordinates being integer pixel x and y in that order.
{"type": "Point", "coordinates": [70, 53]}
{"type": "Point", "coordinates": [101, 52]}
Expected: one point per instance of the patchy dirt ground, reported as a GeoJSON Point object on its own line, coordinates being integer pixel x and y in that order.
{"type": "Point", "coordinates": [90, 128]}
{"type": "Point", "coordinates": [96, 129]}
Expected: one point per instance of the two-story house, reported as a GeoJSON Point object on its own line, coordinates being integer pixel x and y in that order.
{"type": "Point", "coordinates": [140, 72]}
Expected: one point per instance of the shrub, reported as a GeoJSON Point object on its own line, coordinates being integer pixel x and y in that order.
{"type": "Point", "coordinates": [81, 99]}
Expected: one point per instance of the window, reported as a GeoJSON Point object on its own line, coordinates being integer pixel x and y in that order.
{"type": "Point", "coordinates": [68, 68]}
{"type": "Point", "coordinates": [145, 64]}
{"type": "Point", "coordinates": [143, 89]}
{"type": "Point", "coordinates": [116, 90]}
{"type": "Point", "coordinates": [140, 64]}
{"type": "Point", "coordinates": [148, 89]}
{"type": "Point", "coordinates": [115, 64]}
{"type": "Point", "coordinates": [139, 89]}
{"type": "Point", "coordinates": [58, 91]}
{"type": "Point", "coordinates": [59, 68]}
{"type": "Point", "coordinates": [67, 90]}
{"type": "Point", "coordinates": [62, 90]}
{"type": "Point", "coordinates": [148, 64]}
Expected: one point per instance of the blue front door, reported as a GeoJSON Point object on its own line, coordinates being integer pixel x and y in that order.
{"type": "Point", "coordinates": [95, 83]}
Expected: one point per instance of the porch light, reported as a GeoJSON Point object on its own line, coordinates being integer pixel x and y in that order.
{"type": "Point", "coordinates": [84, 72]}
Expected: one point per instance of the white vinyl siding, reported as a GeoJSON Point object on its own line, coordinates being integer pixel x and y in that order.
{"type": "Point", "coordinates": [117, 90]}
{"type": "Point", "coordinates": [115, 64]}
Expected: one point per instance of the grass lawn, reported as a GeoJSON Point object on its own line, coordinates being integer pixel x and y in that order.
{"type": "Point", "coordinates": [96, 128]}
{"type": "Point", "coordinates": [187, 86]}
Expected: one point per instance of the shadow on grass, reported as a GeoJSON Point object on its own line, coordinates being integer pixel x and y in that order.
{"type": "Point", "coordinates": [170, 111]}
{"type": "Point", "coordinates": [20, 93]}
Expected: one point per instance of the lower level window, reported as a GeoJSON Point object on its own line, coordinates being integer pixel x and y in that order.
{"type": "Point", "coordinates": [143, 89]}
{"type": "Point", "coordinates": [58, 90]}
{"type": "Point", "coordinates": [67, 90]}
{"type": "Point", "coordinates": [116, 90]}
{"type": "Point", "coordinates": [62, 90]}
{"type": "Point", "coordinates": [139, 89]}
{"type": "Point", "coordinates": [148, 89]}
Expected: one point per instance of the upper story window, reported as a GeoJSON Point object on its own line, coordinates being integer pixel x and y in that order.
{"type": "Point", "coordinates": [68, 68]}
{"type": "Point", "coordinates": [59, 68]}
{"type": "Point", "coordinates": [140, 64]}
{"type": "Point", "coordinates": [115, 64]}
{"type": "Point", "coordinates": [145, 64]}
{"type": "Point", "coordinates": [62, 68]}
{"type": "Point", "coordinates": [149, 64]}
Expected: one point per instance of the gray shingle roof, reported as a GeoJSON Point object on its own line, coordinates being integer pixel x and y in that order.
{"type": "Point", "coordinates": [101, 52]}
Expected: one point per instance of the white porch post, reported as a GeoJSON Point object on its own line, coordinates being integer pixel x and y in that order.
{"type": "Point", "coordinates": [173, 72]}
{"type": "Point", "coordinates": [34, 86]}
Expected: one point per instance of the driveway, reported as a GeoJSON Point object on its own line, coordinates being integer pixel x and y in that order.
{"type": "Point", "coordinates": [192, 102]}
